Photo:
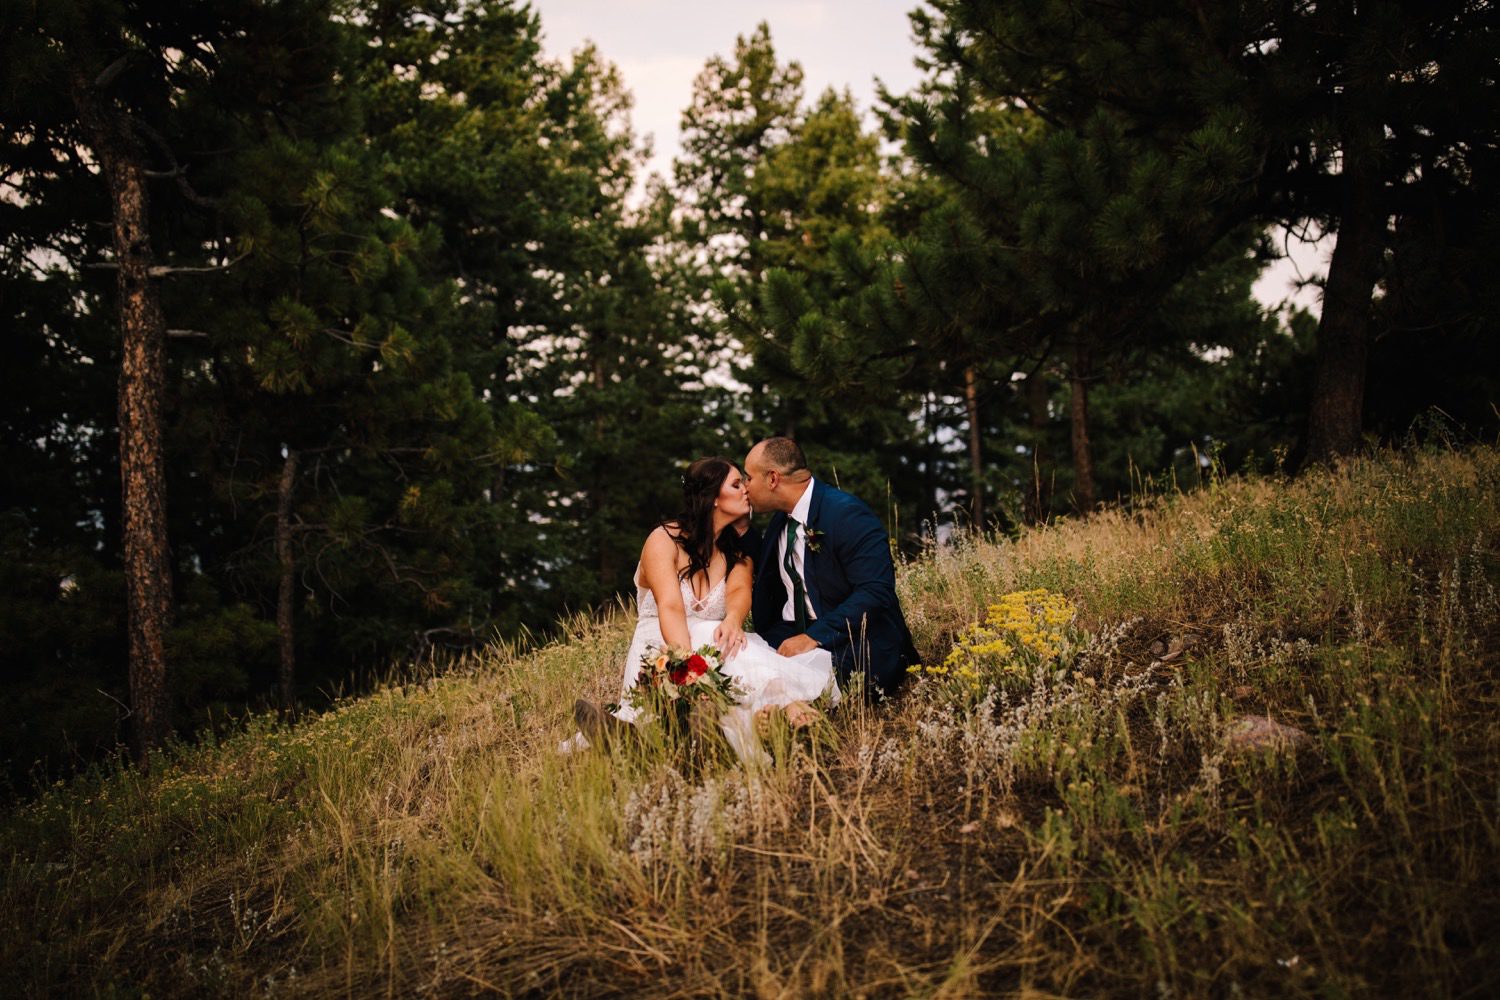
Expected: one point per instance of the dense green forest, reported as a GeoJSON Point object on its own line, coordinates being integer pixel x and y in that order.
{"type": "Point", "coordinates": [336, 336]}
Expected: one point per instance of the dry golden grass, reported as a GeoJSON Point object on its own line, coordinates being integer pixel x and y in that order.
{"type": "Point", "coordinates": [1088, 833]}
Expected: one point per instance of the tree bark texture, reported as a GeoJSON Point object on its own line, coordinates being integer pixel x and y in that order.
{"type": "Point", "coordinates": [976, 454]}
{"type": "Point", "coordinates": [1336, 416]}
{"type": "Point", "coordinates": [1078, 412]}
{"type": "Point", "coordinates": [285, 629]}
{"type": "Point", "coordinates": [148, 575]}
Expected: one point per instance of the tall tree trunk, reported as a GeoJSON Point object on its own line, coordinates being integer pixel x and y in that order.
{"type": "Point", "coordinates": [1336, 417]}
{"type": "Point", "coordinates": [976, 455]}
{"type": "Point", "coordinates": [1038, 495]}
{"type": "Point", "coordinates": [148, 577]}
{"type": "Point", "coordinates": [287, 667]}
{"type": "Point", "coordinates": [1078, 411]}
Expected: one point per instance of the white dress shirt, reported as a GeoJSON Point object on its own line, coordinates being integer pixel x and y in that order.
{"type": "Point", "coordinates": [799, 555]}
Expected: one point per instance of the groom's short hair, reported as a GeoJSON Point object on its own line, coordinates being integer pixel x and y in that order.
{"type": "Point", "coordinates": [783, 455]}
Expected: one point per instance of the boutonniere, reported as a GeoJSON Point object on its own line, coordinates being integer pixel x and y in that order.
{"type": "Point", "coordinates": [813, 538]}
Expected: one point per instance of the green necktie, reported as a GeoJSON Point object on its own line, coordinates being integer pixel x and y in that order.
{"type": "Point", "coordinates": [799, 590]}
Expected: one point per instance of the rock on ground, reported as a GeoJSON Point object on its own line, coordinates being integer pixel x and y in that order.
{"type": "Point", "coordinates": [1258, 732]}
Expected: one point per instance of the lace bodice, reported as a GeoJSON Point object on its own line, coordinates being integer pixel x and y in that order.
{"type": "Point", "coordinates": [712, 608]}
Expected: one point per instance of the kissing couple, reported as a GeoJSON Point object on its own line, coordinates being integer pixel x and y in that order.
{"type": "Point", "coordinates": [820, 588]}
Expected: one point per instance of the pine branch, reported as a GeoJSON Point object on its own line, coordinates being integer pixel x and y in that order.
{"type": "Point", "coordinates": [166, 271]}
{"type": "Point", "coordinates": [111, 72]}
{"type": "Point", "coordinates": [178, 172]}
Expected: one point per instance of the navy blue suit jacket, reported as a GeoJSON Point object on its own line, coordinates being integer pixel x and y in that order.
{"type": "Point", "coordinates": [851, 582]}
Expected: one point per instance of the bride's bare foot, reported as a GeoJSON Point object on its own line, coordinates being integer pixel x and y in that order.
{"type": "Point", "coordinates": [800, 715]}
{"type": "Point", "coordinates": [765, 718]}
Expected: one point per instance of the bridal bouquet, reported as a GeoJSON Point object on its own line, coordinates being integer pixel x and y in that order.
{"type": "Point", "coordinates": [673, 683]}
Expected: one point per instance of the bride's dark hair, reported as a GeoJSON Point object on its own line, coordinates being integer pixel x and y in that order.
{"type": "Point", "coordinates": [695, 523]}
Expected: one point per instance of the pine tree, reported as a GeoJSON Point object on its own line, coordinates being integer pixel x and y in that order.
{"type": "Point", "coordinates": [1176, 123]}
{"type": "Point", "coordinates": [768, 187]}
{"type": "Point", "coordinates": [524, 168]}
{"type": "Point", "coordinates": [361, 439]}
{"type": "Point", "coordinates": [464, 108]}
{"type": "Point", "coordinates": [608, 371]}
{"type": "Point", "coordinates": [825, 194]}
{"type": "Point", "coordinates": [1092, 221]}
{"type": "Point", "coordinates": [329, 429]}
{"type": "Point", "coordinates": [742, 109]}
{"type": "Point", "coordinates": [104, 78]}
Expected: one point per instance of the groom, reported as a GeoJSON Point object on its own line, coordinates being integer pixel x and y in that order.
{"type": "Point", "coordinates": [823, 575]}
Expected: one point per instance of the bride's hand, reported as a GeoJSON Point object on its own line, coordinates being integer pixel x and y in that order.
{"type": "Point", "coordinates": [730, 639]}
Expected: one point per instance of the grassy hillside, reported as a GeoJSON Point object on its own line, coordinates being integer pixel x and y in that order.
{"type": "Point", "coordinates": [1084, 827]}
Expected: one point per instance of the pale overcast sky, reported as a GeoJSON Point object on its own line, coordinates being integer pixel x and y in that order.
{"type": "Point", "coordinates": [660, 45]}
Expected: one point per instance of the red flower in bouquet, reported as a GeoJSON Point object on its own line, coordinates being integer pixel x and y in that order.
{"type": "Point", "coordinates": [672, 680]}
{"type": "Point", "coordinates": [692, 668]}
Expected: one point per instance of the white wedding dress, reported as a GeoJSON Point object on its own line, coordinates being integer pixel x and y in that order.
{"type": "Point", "coordinates": [764, 676]}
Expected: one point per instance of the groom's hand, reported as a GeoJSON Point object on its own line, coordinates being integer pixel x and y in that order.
{"type": "Point", "coordinates": [741, 525]}
{"type": "Point", "coordinates": [797, 644]}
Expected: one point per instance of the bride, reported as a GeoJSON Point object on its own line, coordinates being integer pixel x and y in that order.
{"type": "Point", "coordinates": [693, 588]}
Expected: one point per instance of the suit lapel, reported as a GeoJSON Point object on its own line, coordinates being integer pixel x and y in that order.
{"type": "Point", "coordinates": [810, 558]}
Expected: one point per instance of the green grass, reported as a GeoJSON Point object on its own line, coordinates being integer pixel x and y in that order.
{"type": "Point", "coordinates": [1088, 834]}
